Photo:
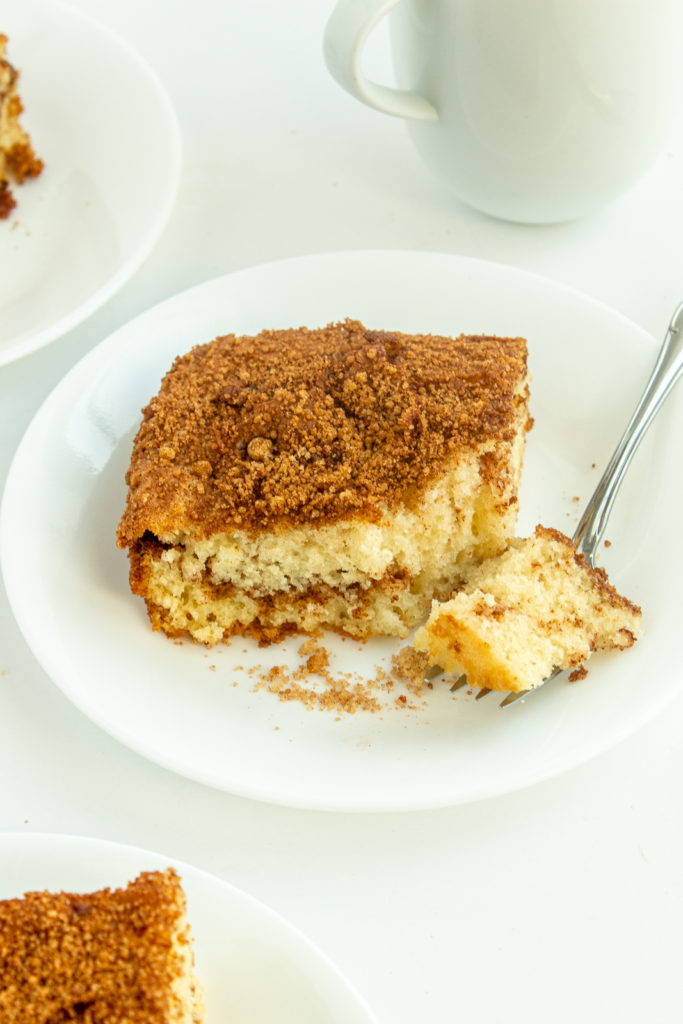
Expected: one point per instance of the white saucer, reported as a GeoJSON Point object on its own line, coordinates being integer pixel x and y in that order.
{"type": "Point", "coordinates": [238, 941]}
{"type": "Point", "coordinates": [107, 134]}
{"type": "Point", "coordinates": [196, 712]}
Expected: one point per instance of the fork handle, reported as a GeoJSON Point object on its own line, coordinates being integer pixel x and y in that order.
{"type": "Point", "coordinates": [666, 372]}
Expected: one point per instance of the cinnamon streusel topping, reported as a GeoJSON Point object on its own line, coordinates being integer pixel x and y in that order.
{"type": "Point", "coordinates": [313, 425]}
{"type": "Point", "coordinates": [101, 958]}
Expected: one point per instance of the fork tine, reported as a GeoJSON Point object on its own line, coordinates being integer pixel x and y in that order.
{"type": "Point", "coordinates": [513, 697]}
{"type": "Point", "coordinates": [460, 681]}
{"type": "Point", "coordinates": [433, 672]}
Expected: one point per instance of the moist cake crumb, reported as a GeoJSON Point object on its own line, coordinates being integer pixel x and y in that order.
{"type": "Point", "coordinates": [337, 477]}
{"type": "Point", "coordinates": [537, 606]}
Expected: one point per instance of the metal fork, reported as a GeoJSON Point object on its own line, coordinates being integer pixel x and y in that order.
{"type": "Point", "coordinates": [593, 523]}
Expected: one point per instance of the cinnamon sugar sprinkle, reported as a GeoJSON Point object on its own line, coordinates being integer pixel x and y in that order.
{"type": "Point", "coordinates": [317, 687]}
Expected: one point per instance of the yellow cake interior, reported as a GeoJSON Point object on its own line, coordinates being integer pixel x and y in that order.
{"type": "Point", "coordinates": [533, 608]}
{"type": "Point", "coordinates": [361, 578]}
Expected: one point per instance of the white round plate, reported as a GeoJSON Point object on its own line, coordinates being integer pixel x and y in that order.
{"type": "Point", "coordinates": [197, 711]}
{"type": "Point", "coordinates": [109, 139]}
{"type": "Point", "coordinates": [238, 941]}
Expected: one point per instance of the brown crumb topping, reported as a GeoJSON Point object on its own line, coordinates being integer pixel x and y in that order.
{"type": "Point", "coordinates": [17, 158]}
{"type": "Point", "coordinates": [410, 666]}
{"type": "Point", "coordinates": [313, 425]}
{"type": "Point", "coordinates": [23, 163]}
{"type": "Point", "coordinates": [340, 693]}
{"type": "Point", "coordinates": [7, 200]}
{"type": "Point", "coordinates": [100, 958]}
{"type": "Point", "coordinates": [316, 686]}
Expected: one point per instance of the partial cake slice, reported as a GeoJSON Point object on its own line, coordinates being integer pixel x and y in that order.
{"type": "Point", "coordinates": [17, 159]}
{"type": "Point", "coordinates": [535, 607]}
{"type": "Point", "coordinates": [120, 956]}
{"type": "Point", "coordinates": [338, 477]}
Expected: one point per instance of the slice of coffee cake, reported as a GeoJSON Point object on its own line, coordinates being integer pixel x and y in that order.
{"type": "Point", "coordinates": [111, 956]}
{"type": "Point", "coordinates": [338, 477]}
{"type": "Point", "coordinates": [17, 159]}
{"type": "Point", "coordinates": [535, 607]}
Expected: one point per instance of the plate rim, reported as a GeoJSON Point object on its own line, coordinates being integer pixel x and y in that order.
{"type": "Point", "coordinates": [13, 350]}
{"type": "Point", "coordinates": [550, 768]}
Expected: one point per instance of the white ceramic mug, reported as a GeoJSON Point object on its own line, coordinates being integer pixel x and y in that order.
{"type": "Point", "coordinates": [533, 110]}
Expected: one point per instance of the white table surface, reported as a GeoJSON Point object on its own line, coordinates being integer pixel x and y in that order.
{"type": "Point", "coordinates": [563, 902]}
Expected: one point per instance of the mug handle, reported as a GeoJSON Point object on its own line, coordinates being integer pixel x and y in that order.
{"type": "Point", "coordinates": [346, 33]}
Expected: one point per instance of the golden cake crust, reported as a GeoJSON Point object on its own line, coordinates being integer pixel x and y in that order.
{"type": "Point", "coordinates": [101, 957]}
{"type": "Point", "coordinates": [313, 425]}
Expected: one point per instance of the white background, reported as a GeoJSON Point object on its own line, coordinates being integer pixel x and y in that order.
{"type": "Point", "coordinates": [562, 902]}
